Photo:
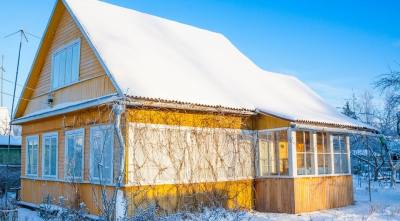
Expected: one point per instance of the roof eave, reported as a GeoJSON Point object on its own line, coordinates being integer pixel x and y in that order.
{"type": "Point", "coordinates": [67, 109]}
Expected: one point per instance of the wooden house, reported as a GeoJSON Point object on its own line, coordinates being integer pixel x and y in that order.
{"type": "Point", "coordinates": [175, 115]}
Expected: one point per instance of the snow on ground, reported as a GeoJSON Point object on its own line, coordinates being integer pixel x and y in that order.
{"type": "Point", "coordinates": [385, 205]}
{"type": "Point", "coordinates": [27, 215]}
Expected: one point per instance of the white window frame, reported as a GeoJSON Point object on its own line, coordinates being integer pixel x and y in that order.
{"type": "Point", "coordinates": [313, 150]}
{"type": "Point", "coordinates": [93, 179]}
{"type": "Point", "coordinates": [69, 44]}
{"type": "Point", "coordinates": [346, 148]}
{"type": "Point", "coordinates": [36, 137]}
{"type": "Point", "coordinates": [50, 134]}
{"type": "Point", "coordinates": [73, 132]}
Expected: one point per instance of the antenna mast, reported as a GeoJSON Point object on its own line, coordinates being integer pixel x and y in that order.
{"type": "Point", "coordinates": [23, 38]}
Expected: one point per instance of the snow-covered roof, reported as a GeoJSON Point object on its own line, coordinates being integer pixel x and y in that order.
{"type": "Point", "coordinates": [152, 57]}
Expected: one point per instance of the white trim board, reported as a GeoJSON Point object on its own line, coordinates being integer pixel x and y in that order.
{"type": "Point", "coordinates": [66, 108]}
{"type": "Point", "coordinates": [49, 134]}
{"type": "Point", "coordinates": [74, 132]}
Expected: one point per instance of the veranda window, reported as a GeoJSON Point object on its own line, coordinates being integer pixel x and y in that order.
{"type": "Point", "coordinates": [305, 153]}
{"type": "Point", "coordinates": [49, 155]}
{"type": "Point", "coordinates": [74, 141]}
{"type": "Point", "coordinates": [101, 153]}
{"type": "Point", "coordinates": [65, 65]}
{"type": "Point", "coordinates": [323, 153]}
{"type": "Point", "coordinates": [340, 154]}
{"type": "Point", "coordinates": [31, 156]}
{"type": "Point", "coordinates": [273, 154]}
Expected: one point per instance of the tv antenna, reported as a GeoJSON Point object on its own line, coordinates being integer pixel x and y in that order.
{"type": "Point", "coordinates": [23, 38]}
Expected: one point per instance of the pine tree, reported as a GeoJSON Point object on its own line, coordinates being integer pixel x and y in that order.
{"type": "Point", "coordinates": [346, 110]}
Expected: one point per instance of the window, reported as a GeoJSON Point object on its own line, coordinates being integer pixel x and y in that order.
{"type": "Point", "coordinates": [74, 141]}
{"type": "Point", "coordinates": [31, 156]}
{"type": "Point", "coordinates": [340, 154]}
{"type": "Point", "coordinates": [305, 153]}
{"type": "Point", "coordinates": [283, 153]}
{"type": "Point", "coordinates": [273, 154]}
{"type": "Point", "coordinates": [65, 66]}
{"type": "Point", "coordinates": [267, 155]}
{"type": "Point", "coordinates": [101, 153]}
{"type": "Point", "coordinates": [49, 155]}
{"type": "Point", "coordinates": [323, 153]}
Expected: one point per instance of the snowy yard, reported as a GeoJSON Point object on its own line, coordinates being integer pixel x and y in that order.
{"type": "Point", "coordinates": [385, 205]}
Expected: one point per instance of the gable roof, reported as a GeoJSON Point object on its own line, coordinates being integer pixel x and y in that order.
{"type": "Point", "coordinates": [151, 57]}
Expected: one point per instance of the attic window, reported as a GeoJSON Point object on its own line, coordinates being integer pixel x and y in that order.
{"type": "Point", "coordinates": [65, 65]}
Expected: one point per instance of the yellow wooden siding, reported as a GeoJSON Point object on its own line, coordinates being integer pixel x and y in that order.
{"type": "Point", "coordinates": [170, 197]}
{"type": "Point", "coordinates": [93, 82]}
{"type": "Point", "coordinates": [269, 122]}
{"type": "Point", "coordinates": [60, 124]}
{"type": "Point", "coordinates": [35, 191]}
{"type": "Point", "coordinates": [232, 194]}
{"type": "Point", "coordinates": [274, 195]}
{"type": "Point", "coordinates": [189, 118]}
{"type": "Point", "coordinates": [317, 193]}
{"type": "Point", "coordinates": [303, 194]}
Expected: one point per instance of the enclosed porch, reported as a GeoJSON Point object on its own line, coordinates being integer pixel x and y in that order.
{"type": "Point", "coordinates": [303, 169]}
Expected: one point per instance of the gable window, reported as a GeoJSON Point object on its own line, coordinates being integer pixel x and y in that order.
{"type": "Point", "coordinates": [74, 141]}
{"type": "Point", "coordinates": [340, 154]}
{"type": "Point", "coordinates": [65, 65]}
{"type": "Point", "coordinates": [31, 156]}
{"type": "Point", "coordinates": [101, 153]}
{"type": "Point", "coordinates": [49, 155]}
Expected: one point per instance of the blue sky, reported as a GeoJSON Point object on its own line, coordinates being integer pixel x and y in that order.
{"type": "Point", "coordinates": [335, 46]}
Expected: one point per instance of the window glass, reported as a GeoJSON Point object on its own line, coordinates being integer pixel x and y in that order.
{"type": "Point", "coordinates": [50, 145]}
{"type": "Point", "coordinates": [74, 154]}
{"type": "Point", "coordinates": [31, 155]}
{"type": "Point", "coordinates": [305, 153]}
{"type": "Point", "coordinates": [283, 153]}
{"type": "Point", "coordinates": [65, 67]}
{"type": "Point", "coordinates": [273, 154]}
{"type": "Point", "coordinates": [340, 154]}
{"type": "Point", "coordinates": [323, 153]}
{"type": "Point", "coordinates": [101, 158]}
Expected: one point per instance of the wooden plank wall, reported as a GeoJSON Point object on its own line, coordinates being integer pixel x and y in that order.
{"type": "Point", "coordinates": [317, 193]}
{"type": "Point", "coordinates": [36, 191]}
{"type": "Point", "coordinates": [274, 195]}
{"type": "Point", "coordinates": [93, 80]}
{"type": "Point", "coordinates": [269, 122]}
{"type": "Point", "coordinates": [298, 195]}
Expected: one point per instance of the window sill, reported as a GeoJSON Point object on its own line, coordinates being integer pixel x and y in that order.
{"type": "Point", "coordinates": [31, 176]}
{"type": "Point", "coordinates": [62, 180]}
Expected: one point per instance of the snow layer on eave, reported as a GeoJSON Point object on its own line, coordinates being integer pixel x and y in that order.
{"type": "Point", "coordinates": [153, 57]}
{"type": "Point", "coordinates": [65, 108]}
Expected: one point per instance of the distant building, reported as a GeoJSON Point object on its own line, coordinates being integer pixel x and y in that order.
{"type": "Point", "coordinates": [13, 155]}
